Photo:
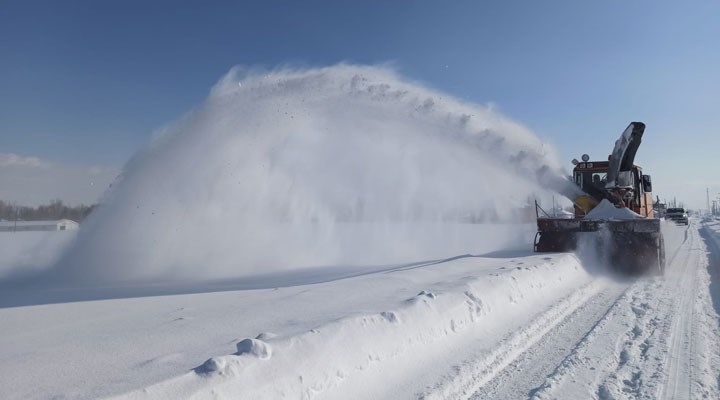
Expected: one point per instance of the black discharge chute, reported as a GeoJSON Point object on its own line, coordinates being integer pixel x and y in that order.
{"type": "Point", "coordinates": [623, 156]}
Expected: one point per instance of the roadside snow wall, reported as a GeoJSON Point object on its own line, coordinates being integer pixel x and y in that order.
{"type": "Point", "coordinates": [347, 357]}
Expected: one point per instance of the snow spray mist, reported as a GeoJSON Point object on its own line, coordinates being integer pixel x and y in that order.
{"type": "Point", "coordinates": [331, 166]}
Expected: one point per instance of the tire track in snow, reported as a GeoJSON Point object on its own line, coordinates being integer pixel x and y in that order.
{"type": "Point", "coordinates": [596, 352]}
{"type": "Point", "coordinates": [645, 347]}
{"type": "Point", "coordinates": [635, 367]}
{"type": "Point", "coordinates": [707, 309]}
{"type": "Point", "coordinates": [649, 355]}
{"type": "Point", "coordinates": [679, 356]}
{"type": "Point", "coordinates": [523, 376]}
{"type": "Point", "coordinates": [550, 359]}
{"type": "Point", "coordinates": [474, 374]}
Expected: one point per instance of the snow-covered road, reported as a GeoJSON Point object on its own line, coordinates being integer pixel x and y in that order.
{"type": "Point", "coordinates": [651, 339]}
{"type": "Point", "coordinates": [504, 325]}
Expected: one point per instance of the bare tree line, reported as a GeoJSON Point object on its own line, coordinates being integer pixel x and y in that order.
{"type": "Point", "coordinates": [55, 210]}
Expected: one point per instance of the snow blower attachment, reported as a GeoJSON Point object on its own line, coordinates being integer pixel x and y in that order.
{"type": "Point", "coordinates": [617, 204]}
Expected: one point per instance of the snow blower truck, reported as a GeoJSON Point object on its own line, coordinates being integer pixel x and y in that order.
{"type": "Point", "coordinates": [616, 202]}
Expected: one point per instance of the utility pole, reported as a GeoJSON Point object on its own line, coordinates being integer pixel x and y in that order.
{"type": "Point", "coordinates": [707, 191]}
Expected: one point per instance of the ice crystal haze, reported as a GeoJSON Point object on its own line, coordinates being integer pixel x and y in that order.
{"type": "Point", "coordinates": [331, 166]}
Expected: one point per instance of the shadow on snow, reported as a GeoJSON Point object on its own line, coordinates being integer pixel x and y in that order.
{"type": "Point", "coordinates": [28, 291]}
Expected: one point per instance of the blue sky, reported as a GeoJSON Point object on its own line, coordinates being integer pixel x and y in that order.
{"type": "Point", "coordinates": [86, 82]}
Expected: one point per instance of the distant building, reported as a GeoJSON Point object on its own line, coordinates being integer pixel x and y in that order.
{"type": "Point", "coordinates": [24, 226]}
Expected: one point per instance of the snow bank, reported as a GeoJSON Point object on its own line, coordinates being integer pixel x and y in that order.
{"type": "Point", "coordinates": [339, 357]}
{"type": "Point", "coordinates": [329, 166]}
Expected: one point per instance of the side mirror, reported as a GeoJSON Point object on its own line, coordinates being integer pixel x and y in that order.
{"type": "Point", "coordinates": [647, 183]}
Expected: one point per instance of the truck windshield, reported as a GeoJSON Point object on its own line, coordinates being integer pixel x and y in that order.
{"type": "Point", "coordinates": [587, 179]}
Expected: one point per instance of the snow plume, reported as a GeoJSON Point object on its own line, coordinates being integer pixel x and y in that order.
{"type": "Point", "coordinates": [331, 166]}
{"type": "Point", "coordinates": [595, 249]}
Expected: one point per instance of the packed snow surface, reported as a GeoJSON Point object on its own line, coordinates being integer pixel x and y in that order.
{"type": "Point", "coordinates": [606, 210]}
{"type": "Point", "coordinates": [293, 340]}
{"type": "Point", "coordinates": [505, 325]}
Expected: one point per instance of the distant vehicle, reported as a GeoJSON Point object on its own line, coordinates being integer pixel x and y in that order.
{"type": "Point", "coordinates": [679, 215]}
